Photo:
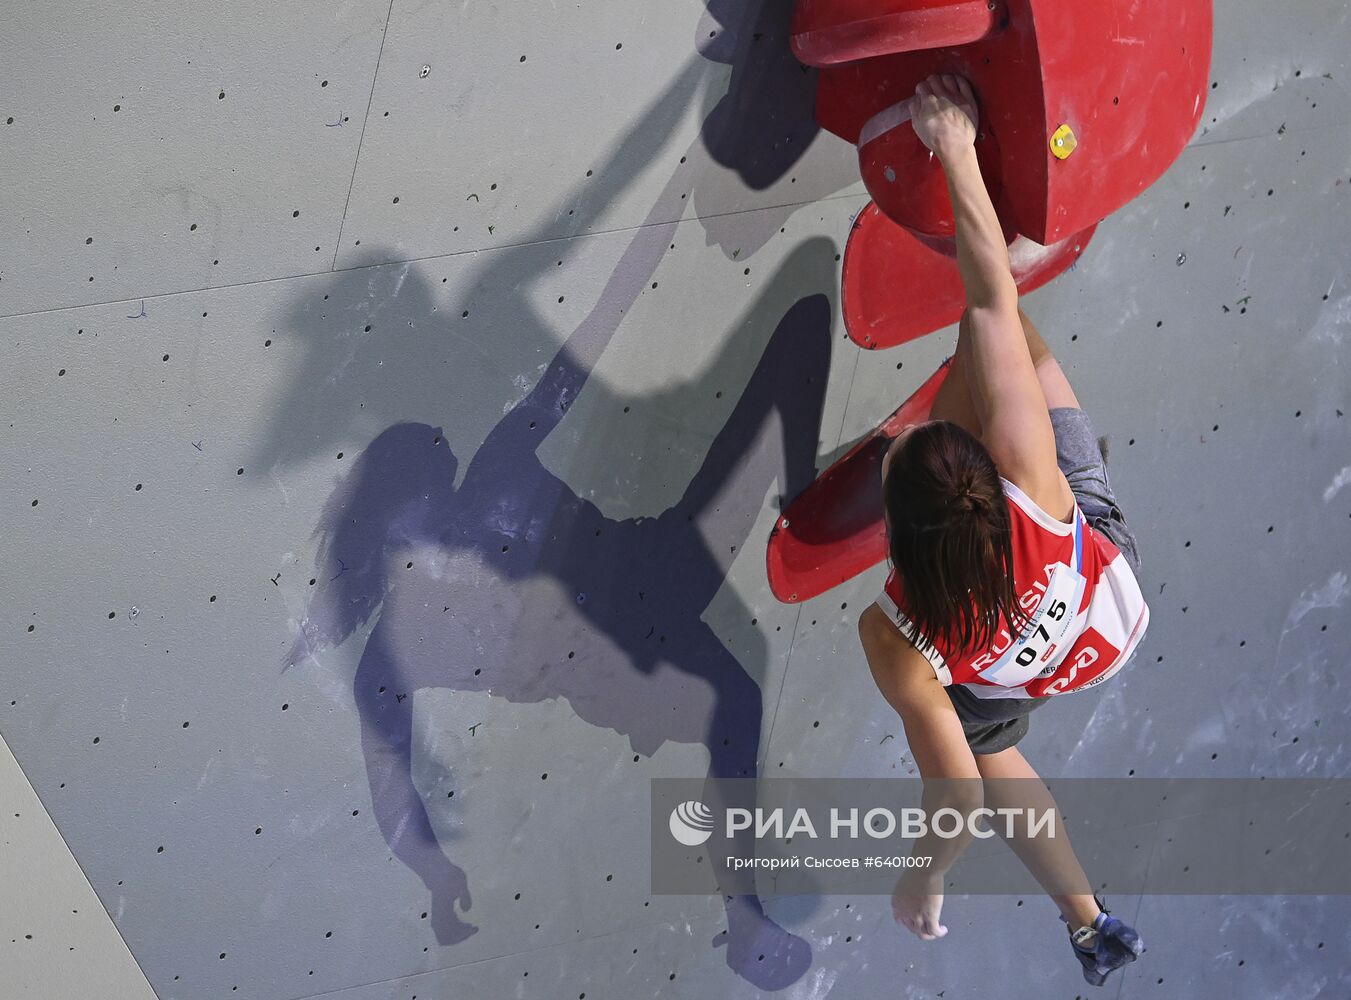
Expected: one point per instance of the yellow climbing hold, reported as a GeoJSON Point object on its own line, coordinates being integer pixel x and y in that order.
{"type": "Point", "coordinates": [1063, 142]}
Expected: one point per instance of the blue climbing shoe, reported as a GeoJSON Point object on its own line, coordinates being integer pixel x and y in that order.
{"type": "Point", "coordinates": [1105, 946]}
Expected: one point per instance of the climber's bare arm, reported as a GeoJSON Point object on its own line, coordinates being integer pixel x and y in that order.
{"type": "Point", "coordinates": [908, 683]}
{"type": "Point", "coordinates": [1005, 392]}
{"type": "Point", "coordinates": [932, 731]}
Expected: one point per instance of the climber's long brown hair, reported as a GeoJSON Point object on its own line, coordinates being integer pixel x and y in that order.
{"type": "Point", "coordinates": [950, 538]}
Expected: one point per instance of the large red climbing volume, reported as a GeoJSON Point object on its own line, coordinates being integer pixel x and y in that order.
{"type": "Point", "coordinates": [1083, 104]}
{"type": "Point", "coordinates": [833, 531]}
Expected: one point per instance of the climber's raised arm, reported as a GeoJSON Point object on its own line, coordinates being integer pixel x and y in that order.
{"type": "Point", "coordinates": [1015, 423]}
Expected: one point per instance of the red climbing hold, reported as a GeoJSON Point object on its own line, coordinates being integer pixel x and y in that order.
{"type": "Point", "coordinates": [1127, 80]}
{"type": "Point", "coordinates": [828, 32]}
{"type": "Point", "coordinates": [899, 286]}
{"type": "Point", "coordinates": [833, 531]}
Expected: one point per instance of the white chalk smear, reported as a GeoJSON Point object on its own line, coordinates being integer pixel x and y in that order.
{"type": "Point", "coordinates": [1333, 321]}
{"type": "Point", "coordinates": [1205, 734]}
{"type": "Point", "coordinates": [1330, 595]}
{"type": "Point", "coordinates": [818, 985]}
{"type": "Point", "coordinates": [1339, 482]}
{"type": "Point", "coordinates": [1026, 255]}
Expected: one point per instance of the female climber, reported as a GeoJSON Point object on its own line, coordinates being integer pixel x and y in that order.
{"type": "Point", "coordinates": [1013, 572]}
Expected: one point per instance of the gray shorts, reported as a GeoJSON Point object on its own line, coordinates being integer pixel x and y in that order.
{"type": "Point", "coordinates": [1078, 452]}
{"type": "Point", "coordinates": [995, 724]}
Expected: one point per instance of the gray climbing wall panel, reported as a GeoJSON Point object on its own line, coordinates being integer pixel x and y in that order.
{"type": "Point", "coordinates": [397, 402]}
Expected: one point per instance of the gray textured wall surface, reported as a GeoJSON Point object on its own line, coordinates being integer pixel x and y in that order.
{"type": "Point", "coordinates": [397, 400]}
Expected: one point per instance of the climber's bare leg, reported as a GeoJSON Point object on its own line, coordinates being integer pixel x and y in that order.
{"type": "Point", "coordinates": [1054, 385]}
{"type": "Point", "coordinates": [1046, 854]}
{"type": "Point", "coordinates": [953, 401]}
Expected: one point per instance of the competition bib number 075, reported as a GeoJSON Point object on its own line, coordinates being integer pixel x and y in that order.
{"type": "Point", "coordinates": [1046, 630]}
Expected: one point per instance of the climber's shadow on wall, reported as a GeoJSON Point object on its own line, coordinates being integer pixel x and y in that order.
{"type": "Point", "coordinates": [762, 124]}
{"type": "Point", "coordinates": [518, 585]}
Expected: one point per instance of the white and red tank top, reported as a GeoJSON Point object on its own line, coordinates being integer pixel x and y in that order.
{"type": "Point", "coordinates": [1086, 613]}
